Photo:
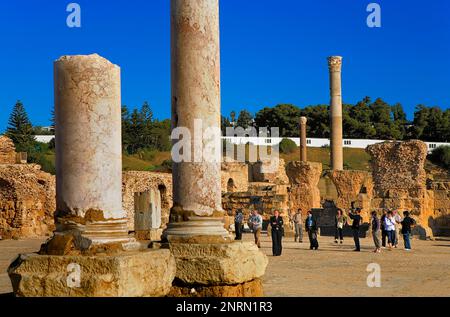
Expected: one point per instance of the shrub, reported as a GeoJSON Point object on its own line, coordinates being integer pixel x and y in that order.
{"type": "Point", "coordinates": [287, 146]}
{"type": "Point", "coordinates": [441, 156]}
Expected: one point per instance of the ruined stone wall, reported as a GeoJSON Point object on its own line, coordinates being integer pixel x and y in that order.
{"type": "Point", "coordinates": [353, 187]}
{"type": "Point", "coordinates": [27, 201]}
{"type": "Point", "coordinates": [304, 179]}
{"type": "Point", "coordinates": [7, 151]}
{"type": "Point", "coordinates": [234, 175]}
{"type": "Point", "coordinates": [257, 175]}
{"type": "Point", "coordinates": [399, 177]}
{"type": "Point", "coordinates": [440, 221]}
{"type": "Point", "coordinates": [139, 182]}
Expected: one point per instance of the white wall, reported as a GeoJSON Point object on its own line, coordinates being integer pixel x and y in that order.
{"type": "Point", "coordinates": [316, 142]}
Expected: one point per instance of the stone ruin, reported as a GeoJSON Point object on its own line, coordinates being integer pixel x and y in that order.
{"type": "Point", "coordinates": [27, 201]}
{"type": "Point", "coordinates": [27, 196]}
{"type": "Point", "coordinates": [147, 199]}
{"type": "Point", "coordinates": [400, 181]}
{"type": "Point", "coordinates": [8, 153]}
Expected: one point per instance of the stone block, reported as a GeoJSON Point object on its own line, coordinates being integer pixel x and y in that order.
{"type": "Point", "coordinates": [218, 264]}
{"type": "Point", "coordinates": [129, 274]}
{"type": "Point", "coordinates": [248, 289]}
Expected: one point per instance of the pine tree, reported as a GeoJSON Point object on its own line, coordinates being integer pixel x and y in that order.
{"type": "Point", "coordinates": [20, 129]}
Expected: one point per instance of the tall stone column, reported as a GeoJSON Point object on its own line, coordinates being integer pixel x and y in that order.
{"type": "Point", "coordinates": [195, 47]}
{"type": "Point", "coordinates": [87, 256]}
{"type": "Point", "coordinates": [337, 155]}
{"type": "Point", "coordinates": [303, 145]}
{"type": "Point", "coordinates": [89, 150]}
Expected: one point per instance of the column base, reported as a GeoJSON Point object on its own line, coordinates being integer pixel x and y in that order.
{"type": "Point", "coordinates": [197, 230]}
{"type": "Point", "coordinates": [224, 268]}
{"type": "Point", "coordinates": [147, 273]}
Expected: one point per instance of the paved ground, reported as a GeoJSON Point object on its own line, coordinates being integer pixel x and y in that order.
{"type": "Point", "coordinates": [331, 271]}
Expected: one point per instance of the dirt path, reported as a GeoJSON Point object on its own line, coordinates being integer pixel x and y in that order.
{"type": "Point", "coordinates": [331, 271]}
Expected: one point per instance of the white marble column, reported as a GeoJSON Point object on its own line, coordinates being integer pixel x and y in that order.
{"type": "Point", "coordinates": [195, 50]}
{"type": "Point", "coordinates": [89, 149]}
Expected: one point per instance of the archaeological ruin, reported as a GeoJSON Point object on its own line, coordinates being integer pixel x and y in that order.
{"type": "Point", "coordinates": [139, 233]}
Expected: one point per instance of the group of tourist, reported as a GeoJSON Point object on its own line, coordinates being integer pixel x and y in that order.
{"type": "Point", "coordinates": [385, 230]}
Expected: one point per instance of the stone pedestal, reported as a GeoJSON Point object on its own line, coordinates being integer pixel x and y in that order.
{"type": "Point", "coordinates": [132, 274]}
{"type": "Point", "coordinates": [337, 154]}
{"type": "Point", "coordinates": [227, 268]}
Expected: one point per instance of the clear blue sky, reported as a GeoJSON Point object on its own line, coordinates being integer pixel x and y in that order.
{"type": "Point", "coordinates": [272, 51]}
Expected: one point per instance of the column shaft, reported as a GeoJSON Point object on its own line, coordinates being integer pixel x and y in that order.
{"type": "Point", "coordinates": [195, 50]}
{"type": "Point", "coordinates": [89, 149]}
{"type": "Point", "coordinates": [303, 145]}
{"type": "Point", "coordinates": [337, 155]}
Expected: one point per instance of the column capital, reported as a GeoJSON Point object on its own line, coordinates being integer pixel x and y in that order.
{"type": "Point", "coordinates": [303, 120]}
{"type": "Point", "coordinates": [335, 63]}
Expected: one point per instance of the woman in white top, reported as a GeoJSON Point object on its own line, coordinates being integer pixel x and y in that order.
{"type": "Point", "coordinates": [389, 224]}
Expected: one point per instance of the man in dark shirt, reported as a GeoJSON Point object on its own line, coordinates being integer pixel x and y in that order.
{"type": "Point", "coordinates": [406, 229]}
{"type": "Point", "coordinates": [356, 217]}
{"type": "Point", "coordinates": [311, 228]}
{"type": "Point", "coordinates": [276, 222]}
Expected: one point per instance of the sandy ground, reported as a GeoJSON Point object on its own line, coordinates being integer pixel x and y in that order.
{"type": "Point", "coordinates": [331, 271]}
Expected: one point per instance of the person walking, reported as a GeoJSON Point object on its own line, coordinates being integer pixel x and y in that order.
{"type": "Point", "coordinates": [340, 221]}
{"type": "Point", "coordinates": [256, 224]}
{"type": "Point", "coordinates": [383, 229]}
{"type": "Point", "coordinates": [311, 228]}
{"type": "Point", "coordinates": [238, 220]}
{"type": "Point", "coordinates": [407, 223]}
{"type": "Point", "coordinates": [398, 221]}
{"type": "Point", "coordinates": [389, 223]}
{"type": "Point", "coordinates": [376, 229]}
{"type": "Point", "coordinates": [356, 217]}
{"type": "Point", "coordinates": [298, 226]}
{"type": "Point", "coordinates": [276, 222]}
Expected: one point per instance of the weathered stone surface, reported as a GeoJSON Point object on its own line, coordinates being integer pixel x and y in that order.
{"type": "Point", "coordinates": [27, 201]}
{"type": "Point", "coordinates": [133, 274]}
{"type": "Point", "coordinates": [248, 289]}
{"type": "Point", "coordinates": [139, 182]}
{"type": "Point", "coordinates": [399, 177]}
{"type": "Point", "coordinates": [304, 178]}
{"type": "Point", "coordinates": [337, 154]}
{"type": "Point", "coordinates": [89, 151]}
{"type": "Point", "coordinates": [218, 264]}
{"type": "Point", "coordinates": [7, 150]}
{"type": "Point", "coordinates": [353, 187]}
{"type": "Point", "coordinates": [398, 165]}
{"type": "Point", "coordinates": [278, 177]}
{"type": "Point", "coordinates": [234, 177]}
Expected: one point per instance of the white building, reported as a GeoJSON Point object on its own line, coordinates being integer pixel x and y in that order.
{"type": "Point", "coordinates": [316, 142]}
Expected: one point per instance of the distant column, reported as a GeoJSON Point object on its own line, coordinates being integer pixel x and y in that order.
{"type": "Point", "coordinates": [337, 155]}
{"type": "Point", "coordinates": [303, 145]}
{"type": "Point", "coordinates": [89, 149]}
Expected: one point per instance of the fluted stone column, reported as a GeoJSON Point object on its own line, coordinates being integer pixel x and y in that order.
{"type": "Point", "coordinates": [303, 145]}
{"type": "Point", "coordinates": [337, 156]}
{"type": "Point", "coordinates": [195, 50]}
{"type": "Point", "coordinates": [89, 150]}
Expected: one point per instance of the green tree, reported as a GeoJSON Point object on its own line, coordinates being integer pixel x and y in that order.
{"type": "Point", "coordinates": [285, 116]}
{"type": "Point", "coordinates": [245, 119]}
{"type": "Point", "coordinates": [20, 129]}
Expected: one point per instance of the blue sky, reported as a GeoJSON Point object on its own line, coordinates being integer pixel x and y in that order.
{"type": "Point", "coordinates": [272, 51]}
